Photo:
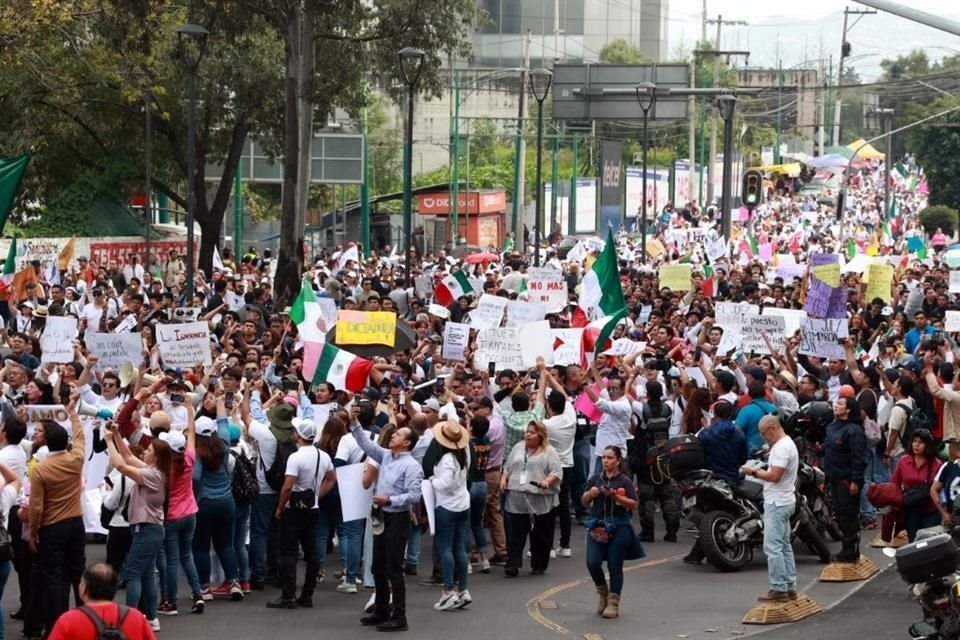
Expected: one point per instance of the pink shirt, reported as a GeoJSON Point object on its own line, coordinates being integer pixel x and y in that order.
{"type": "Point", "coordinates": [182, 503]}
{"type": "Point", "coordinates": [939, 239]}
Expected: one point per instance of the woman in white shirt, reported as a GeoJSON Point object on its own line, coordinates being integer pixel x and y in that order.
{"type": "Point", "coordinates": [452, 513]}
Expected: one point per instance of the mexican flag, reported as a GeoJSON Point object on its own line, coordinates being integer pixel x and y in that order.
{"type": "Point", "coordinates": [342, 369]}
{"type": "Point", "coordinates": [749, 246]}
{"type": "Point", "coordinates": [451, 288]}
{"type": "Point", "coordinates": [708, 286]}
{"type": "Point", "coordinates": [602, 293]}
{"type": "Point", "coordinates": [10, 266]}
{"type": "Point", "coordinates": [11, 177]}
{"type": "Point", "coordinates": [306, 314]}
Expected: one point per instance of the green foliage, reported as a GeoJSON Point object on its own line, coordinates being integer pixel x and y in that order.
{"type": "Point", "coordinates": [939, 216]}
{"type": "Point", "coordinates": [620, 51]}
{"type": "Point", "coordinates": [937, 148]}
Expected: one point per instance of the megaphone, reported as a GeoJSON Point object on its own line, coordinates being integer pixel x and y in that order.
{"type": "Point", "coordinates": [127, 374]}
{"type": "Point", "coordinates": [147, 378]}
{"type": "Point", "coordinates": [91, 411]}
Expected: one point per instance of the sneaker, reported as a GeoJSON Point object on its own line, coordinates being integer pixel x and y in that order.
{"type": "Point", "coordinates": [469, 569]}
{"type": "Point", "coordinates": [564, 552]}
{"type": "Point", "coordinates": [154, 624]}
{"type": "Point", "coordinates": [198, 604]}
{"type": "Point", "coordinates": [553, 553]}
{"type": "Point", "coordinates": [320, 577]}
{"type": "Point", "coordinates": [484, 566]}
{"type": "Point", "coordinates": [207, 594]}
{"type": "Point", "coordinates": [167, 609]}
{"type": "Point", "coordinates": [236, 591]}
{"type": "Point", "coordinates": [339, 574]}
{"type": "Point", "coordinates": [464, 600]}
{"type": "Point", "coordinates": [368, 608]}
{"type": "Point", "coordinates": [346, 587]}
{"type": "Point", "coordinates": [245, 585]}
{"type": "Point", "coordinates": [447, 602]}
{"type": "Point", "coordinates": [282, 603]}
{"type": "Point", "coordinates": [222, 590]}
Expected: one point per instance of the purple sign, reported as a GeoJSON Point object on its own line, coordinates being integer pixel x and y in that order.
{"type": "Point", "coordinates": [824, 301]}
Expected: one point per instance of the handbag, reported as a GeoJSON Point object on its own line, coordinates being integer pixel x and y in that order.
{"type": "Point", "coordinates": [919, 494]}
{"type": "Point", "coordinates": [885, 494]}
{"type": "Point", "coordinates": [106, 514]}
{"type": "Point", "coordinates": [306, 499]}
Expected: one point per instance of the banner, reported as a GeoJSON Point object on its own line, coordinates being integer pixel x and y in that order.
{"type": "Point", "coordinates": [489, 312]}
{"type": "Point", "coordinates": [456, 337]}
{"type": "Point", "coordinates": [56, 343]}
{"type": "Point", "coordinates": [182, 346]}
{"type": "Point", "coordinates": [113, 350]}
{"type": "Point", "coordinates": [676, 277]}
{"type": "Point", "coordinates": [567, 346]}
{"type": "Point", "coordinates": [611, 185]}
{"type": "Point", "coordinates": [520, 313]}
{"type": "Point", "coordinates": [546, 285]}
{"type": "Point", "coordinates": [367, 327]}
{"type": "Point", "coordinates": [821, 338]}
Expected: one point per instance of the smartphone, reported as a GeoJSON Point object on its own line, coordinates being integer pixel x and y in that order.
{"type": "Point", "coordinates": [492, 368]}
{"type": "Point", "coordinates": [214, 381]}
{"type": "Point", "coordinates": [228, 400]}
{"type": "Point", "coordinates": [403, 398]}
{"type": "Point", "coordinates": [440, 384]}
{"type": "Point", "coordinates": [177, 398]}
{"type": "Point", "coordinates": [697, 353]}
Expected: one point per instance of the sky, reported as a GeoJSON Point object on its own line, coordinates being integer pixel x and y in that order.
{"type": "Point", "coordinates": [810, 28]}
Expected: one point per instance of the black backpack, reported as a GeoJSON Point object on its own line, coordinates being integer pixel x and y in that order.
{"type": "Point", "coordinates": [244, 483]}
{"type": "Point", "coordinates": [286, 446]}
{"type": "Point", "coordinates": [657, 428]}
{"type": "Point", "coordinates": [916, 419]}
{"type": "Point", "coordinates": [105, 630]}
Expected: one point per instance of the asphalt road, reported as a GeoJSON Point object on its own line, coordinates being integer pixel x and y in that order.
{"type": "Point", "coordinates": [662, 598]}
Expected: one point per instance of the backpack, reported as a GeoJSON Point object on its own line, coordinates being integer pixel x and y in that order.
{"type": "Point", "coordinates": [106, 515]}
{"type": "Point", "coordinates": [916, 419]}
{"type": "Point", "coordinates": [656, 428]}
{"type": "Point", "coordinates": [285, 448]}
{"type": "Point", "coordinates": [105, 630]}
{"type": "Point", "coordinates": [244, 483]}
{"type": "Point", "coordinates": [871, 428]}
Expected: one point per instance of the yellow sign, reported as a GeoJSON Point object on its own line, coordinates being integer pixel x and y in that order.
{"type": "Point", "coordinates": [881, 277]}
{"type": "Point", "coordinates": [655, 248]}
{"type": "Point", "coordinates": [366, 327]}
{"type": "Point", "coordinates": [675, 276]}
{"type": "Point", "coordinates": [828, 274]}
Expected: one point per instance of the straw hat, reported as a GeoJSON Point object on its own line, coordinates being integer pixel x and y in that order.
{"type": "Point", "coordinates": [451, 435]}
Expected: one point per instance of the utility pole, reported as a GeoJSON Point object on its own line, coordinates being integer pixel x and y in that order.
{"type": "Point", "coordinates": [520, 153]}
{"type": "Point", "coordinates": [776, 150]}
{"type": "Point", "coordinates": [720, 22]}
{"type": "Point", "coordinates": [844, 52]}
{"type": "Point", "coordinates": [692, 133]}
{"type": "Point", "coordinates": [822, 119]}
{"type": "Point", "coordinates": [556, 31]}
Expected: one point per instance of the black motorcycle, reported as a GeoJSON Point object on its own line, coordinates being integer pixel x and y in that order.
{"type": "Point", "coordinates": [931, 566]}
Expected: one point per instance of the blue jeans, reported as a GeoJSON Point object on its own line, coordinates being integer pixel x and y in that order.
{"type": "Point", "coordinates": [414, 543]}
{"type": "Point", "coordinates": [916, 520]}
{"type": "Point", "coordinates": [581, 473]}
{"type": "Point", "coordinates": [350, 535]}
{"type": "Point", "coordinates": [367, 554]}
{"type": "Point", "coordinates": [478, 499]}
{"type": "Point", "coordinates": [329, 518]}
{"type": "Point", "coordinates": [140, 565]}
{"type": "Point", "coordinates": [215, 521]}
{"type": "Point", "coordinates": [5, 568]}
{"type": "Point", "coordinates": [781, 568]}
{"type": "Point", "coordinates": [451, 543]}
{"type": "Point", "coordinates": [178, 548]}
{"type": "Point", "coordinates": [613, 553]}
{"type": "Point", "coordinates": [263, 538]}
{"type": "Point", "coordinates": [241, 524]}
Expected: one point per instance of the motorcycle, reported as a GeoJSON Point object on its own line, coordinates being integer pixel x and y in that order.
{"type": "Point", "coordinates": [810, 483]}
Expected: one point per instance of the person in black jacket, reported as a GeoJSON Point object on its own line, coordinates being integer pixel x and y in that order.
{"type": "Point", "coordinates": [844, 463]}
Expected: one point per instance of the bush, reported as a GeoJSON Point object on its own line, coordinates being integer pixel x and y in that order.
{"type": "Point", "coordinates": [939, 216]}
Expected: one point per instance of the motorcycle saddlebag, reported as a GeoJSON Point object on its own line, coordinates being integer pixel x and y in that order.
{"type": "Point", "coordinates": [685, 454]}
{"type": "Point", "coordinates": [927, 559]}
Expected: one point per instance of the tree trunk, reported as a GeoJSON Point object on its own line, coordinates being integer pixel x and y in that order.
{"type": "Point", "coordinates": [209, 215]}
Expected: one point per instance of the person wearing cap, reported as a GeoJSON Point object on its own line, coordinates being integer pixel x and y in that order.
{"type": "Point", "coordinates": [20, 323]}
{"type": "Point", "coordinates": [309, 476]}
{"type": "Point", "coordinates": [449, 482]}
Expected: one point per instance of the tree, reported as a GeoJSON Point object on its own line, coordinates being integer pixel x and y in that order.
{"type": "Point", "coordinates": [916, 63]}
{"type": "Point", "coordinates": [937, 148]}
{"type": "Point", "coordinates": [620, 51]}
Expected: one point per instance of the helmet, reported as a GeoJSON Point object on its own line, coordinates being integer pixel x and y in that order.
{"type": "Point", "coordinates": [811, 420]}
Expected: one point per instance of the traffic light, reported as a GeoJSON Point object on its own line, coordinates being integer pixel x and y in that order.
{"type": "Point", "coordinates": [752, 189]}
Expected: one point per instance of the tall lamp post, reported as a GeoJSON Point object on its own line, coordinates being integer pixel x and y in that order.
{"type": "Point", "coordinates": [647, 98]}
{"type": "Point", "coordinates": [192, 42]}
{"type": "Point", "coordinates": [540, 81]}
{"type": "Point", "coordinates": [148, 179]}
{"type": "Point", "coordinates": [411, 64]}
{"type": "Point", "coordinates": [726, 104]}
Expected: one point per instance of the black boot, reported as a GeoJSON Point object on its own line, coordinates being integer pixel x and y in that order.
{"type": "Point", "coordinates": [646, 535]}
{"type": "Point", "coordinates": [695, 556]}
{"type": "Point", "coordinates": [375, 618]}
{"type": "Point", "coordinates": [397, 622]}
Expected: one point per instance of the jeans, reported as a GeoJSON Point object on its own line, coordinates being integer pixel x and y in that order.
{"type": "Point", "coordinates": [263, 538]}
{"type": "Point", "coordinates": [781, 568]}
{"type": "Point", "coordinates": [388, 549]}
{"type": "Point", "coordinates": [241, 524]}
{"type": "Point", "coordinates": [563, 509]}
{"type": "Point", "coordinates": [414, 545]}
{"type": "Point", "coordinates": [215, 521]}
{"type": "Point", "coordinates": [298, 528]}
{"type": "Point", "coordinates": [178, 547]}
{"type": "Point", "coordinates": [328, 521]}
{"type": "Point", "coordinates": [916, 520]}
{"type": "Point", "coordinates": [5, 569]}
{"type": "Point", "coordinates": [368, 554]}
{"type": "Point", "coordinates": [451, 540]}
{"type": "Point", "coordinates": [613, 553]}
{"type": "Point", "coordinates": [540, 530]}
{"type": "Point", "coordinates": [581, 472]}
{"type": "Point", "coordinates": [876, 472]}
{"type": "Point", "coordinates": [140, 565]}
{"type": "Point", "coordinates": [350, 535]}
{"type": "Point", "coordinates": [62, 559]}
{"type": "Point", "coordinates": [478, 498]}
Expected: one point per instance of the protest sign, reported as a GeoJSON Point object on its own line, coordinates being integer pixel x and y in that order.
{"type": "Point", "coordinates": [182, 346]}
{"type": "Point", "coordinates": [774, 326]}
{"type": "Point", "coordinates": [501, 346]}
{"type": "Point", "coordinates": [129, 323]}
{"type": "Point", "coordinates": [825, 297]}
{"type": "Point", "coordinates": [56, 412]}
{"type": "Point", "coordinates": [355, 501]}
{"type": "Point", "coordinates": [625, 347]}
{"type": "Point", "coordinates": [520, 313]}
{"type": "Point", "coordinates": [56, 343]}
{"type": "Point", "coordinates": [587, 407]}
{"type": "Point", "coordinates": [429, 503]}
{"type": "Point", "coordinates": [955, 281]}
{"type": "Point", "coordinates": [880, 277]}
{"type": "Point", "coordinates": [821, 338]}
{"type": "Point", "coordinates": [828, 273]}
{"type": "Point", "coordinates": [489, 312]}
{"type": "Point", "coordinates": [655, 248]}
{"type": "Point", "coordinates": [546, 285]}
{"type": "Point", "coordinates": [438, 310]}
{"type": "Point", "coordinates": [423, 286]}
{"type": "Point", "coordinates": [456, 336]}
{"type": "Point", "coordinates": [113, 350]}
{"type": "Point", "coordinates": [730, 340]}
{"type": "Point", "coordinates": [367, 327]}
{"type": "Point", "coordinates": [787, 267]}
{"type": "Point", "coordinates": [952, 322]}
{"type": "Point", "coordinates": [716, 250]}
{"type": "Point", "coordinates": [567, 345]}
{"type": "Point", "coordinates": [730, 315]}
{"type": "Point", "coordinates": [792, 317]}
{"type": "Point", "coordinates": [675, 276]}
{"type": "Point", "coordinates": [328, 309]}
{"type": "Point", "coordinates": [536, 341]}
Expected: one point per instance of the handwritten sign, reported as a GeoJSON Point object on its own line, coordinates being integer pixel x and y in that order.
{"type": "Point", "coordinates": [792, 317]}
{"type": "Point", "coordinates": [624, 347]}
{"type": "Point", "coordinates": [655, 248]}
{"type": "Point", "coordinates": [716, 250]}
{"type": "Point", "coordinates": [955, 281]}
{"type": "Point", "coordinates": [438, 310]}
{"type": "Point", "coordinates": [536, 341]}
{"type": "Point", "coordinates": [367, 327]}
{"type": "Point", "coordinates": [675, 276]}
{"type": "Point", "coordinates": [952, 322]}
{"type": "Point", "coordinates": [546, 285]}
{"type": "Point", "coordinates": [56, 343]}
{"type": "Point", "coordinates": [880, 277]}
{"type": "Point", "coordinates": [774, 326]}
{"type": "Point", "coordinates": [489, 312]}
{"type": "Point", "coordinates": [128, 324]}
{"type": "Point", "coordinates": [113, 350]}
{"type": "Point", "coordinates": [423, 285]}
{"type": "Point", "coordinates": [500, 345]}
{"type": "Point", "coordinates": [182, 346]}
{"type": "Point", "coordinates": [787, 267]}
{"type": "Point", "coordinates": [520, 313]}
{"type": "Point", "coordinates": [567, 346]}
{"type": "Point", "coordinates": [456, 336]}
{"type": "Point", "coordinates": [730, 315]}
{"type": "Point", "coordinates": [821, 338]}
{"type": "Point", "coordinates": [829, 274]}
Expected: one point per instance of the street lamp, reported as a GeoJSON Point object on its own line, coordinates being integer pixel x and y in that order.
{"type": "Point", "coordinates": [726, 104]}
{"type": "Point", "coordinates": [647, 98]}
{"type": "Point", "coordinates": [411, 64]}
{"type": "Point", "coordinates": [540, 81]}
{"type": "Point", "coordinates": [192, 42]}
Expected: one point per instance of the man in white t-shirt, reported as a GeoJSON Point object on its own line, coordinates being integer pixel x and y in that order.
{"type": "Point", "coordinates": [779, 502]}
{"type": "Point", "coordinates": [309, 476]}
{"type": "Point", "coordinates": [561, 426]}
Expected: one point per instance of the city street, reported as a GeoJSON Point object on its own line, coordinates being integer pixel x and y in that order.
{"type": "Point", "coordinates": [663, 599]}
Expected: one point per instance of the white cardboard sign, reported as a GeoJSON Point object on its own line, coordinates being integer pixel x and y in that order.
{"type": "Point", "coordinates": [182, 346]}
